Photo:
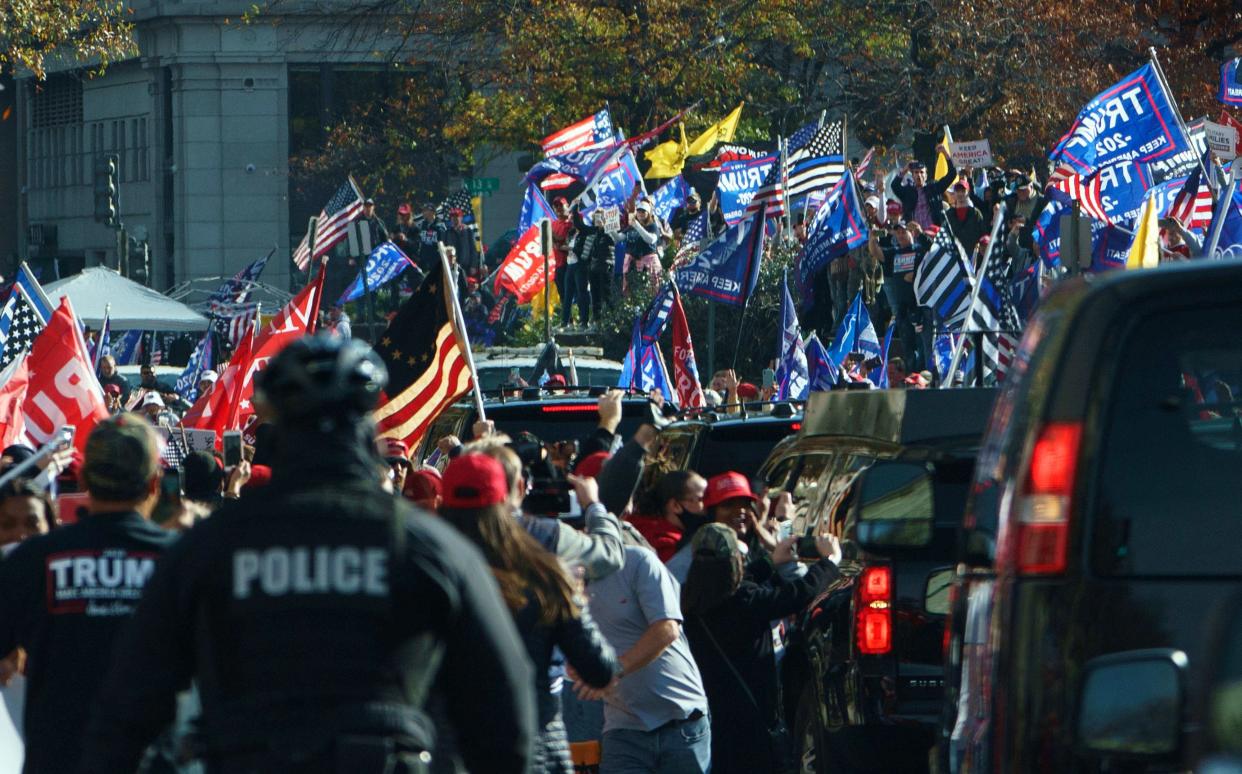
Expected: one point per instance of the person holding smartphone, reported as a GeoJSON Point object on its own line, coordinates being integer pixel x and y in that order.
{"type": "Point", "coordinates": [728, 619]}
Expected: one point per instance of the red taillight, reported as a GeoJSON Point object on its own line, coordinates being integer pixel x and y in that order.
{"type": "Point", "coordinates": [1039, 544]}
{"type": "Point", "coordinates": [874, 627]}
{"type": "Point", "coordinates": [875, 632]}
{"type": "Point", "coordinates": [877, 584]}
{"type": "Point", "coordinates": [795, 426]}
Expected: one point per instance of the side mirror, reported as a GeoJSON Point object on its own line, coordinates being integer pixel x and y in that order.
{"type": "Point", "coordinates": [936, 592]}
{"type": "Point", "coordinates": [1130, 705]}
{"type": "Point", "coordinates": [895, 506]}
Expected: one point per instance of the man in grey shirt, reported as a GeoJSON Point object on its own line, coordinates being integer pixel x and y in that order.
{"type": "Point", "coordinates": [655, 716]}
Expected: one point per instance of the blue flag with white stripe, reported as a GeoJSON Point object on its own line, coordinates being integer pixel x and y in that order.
{"type": "Point", "coordinates": [655, 316]}
{"type": "Point", "coordinates": [879, 375]}
{"type": "Point", "coordinates": [129, 349]}
{"type": "Point", "coordinates": [838, 227]}
{"type": "Point", "coordinates": [822, 372]}
{"type": "Point", "coordinates": [34, 293]}
{"type": "Point", "coordinates": [792, 374]}
{"type": "Point", "coordinates": [669, 197]}
{"type": "Point", "coordinates": [103, 342]}
{"type": "Point", "coordinates": [385, 263]}
{"type": "Point", "coordinates": [534, 209]}
{"type": "Point", "coordinates": [855, 334]}
{"type": "Point", "coordinates": [200, 360]}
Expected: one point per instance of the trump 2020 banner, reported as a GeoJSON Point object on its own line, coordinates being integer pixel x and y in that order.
{"type": "Point", "coordinates": [739, 180]}
{"type": "Point", "coordinates": [1230, 85]}
{"type": "Point", "coordinates": [1132, 119]}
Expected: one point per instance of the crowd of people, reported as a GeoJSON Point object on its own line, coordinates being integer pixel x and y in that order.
{"type": "Point", "coordinates": [277, 618]}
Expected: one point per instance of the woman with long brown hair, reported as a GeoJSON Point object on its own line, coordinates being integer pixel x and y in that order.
{"type": "Point", "coordinates": [539, 593]}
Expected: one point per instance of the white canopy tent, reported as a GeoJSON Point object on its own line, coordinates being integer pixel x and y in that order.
{"type": "Point", "coordinates": [133, 306]}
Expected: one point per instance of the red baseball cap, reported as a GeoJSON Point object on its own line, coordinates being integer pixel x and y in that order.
{"type": "Point", "coordinates": [747, 391]}
{"type": "Point", "coordinates": [422, 484]}
{"type": "Point", "coordinates": [590, 465]}
{"type": "Point", "coordinates": [892, 205]}
{"type": "Point", "coordinates": [394, 450]}
{"type": "Point", "coordinates": [728, 486]}
{"type": "Point", "coordinates": [474, 481]}
{"type": "Point", "coordinates": [260, 475]}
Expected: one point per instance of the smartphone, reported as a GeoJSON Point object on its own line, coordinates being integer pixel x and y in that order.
{"type": "Point", "coordinates": [70, 432]}
{"type": "Point", "coordinates": [769, 378]}
{"type": "Point", "coordinates": [170, 484]}
{"type": "Point", "coordinates": [70, 507]}
{"type": "Point", "coordinates": [806, 549]}
{"type": "Point", "coordinates": [232, 448]}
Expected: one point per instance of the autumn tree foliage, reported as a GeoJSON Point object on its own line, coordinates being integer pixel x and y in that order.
{"type": "Point", "coordinates": [508, 73]}
{"type": "Point", "coordinates": [89, 31]}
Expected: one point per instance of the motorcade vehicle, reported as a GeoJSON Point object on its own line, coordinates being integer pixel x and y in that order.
{"type": "Point", "coordinates": [1101, 531]}
{"type": "Point", "coordinates": [714, 442]}
{"type": "Point", "coordinates": [886, 471]}
{"type": "Point", "coordinates": [497, 365]}
{"type": "Point", "coordinates": [559, 415]}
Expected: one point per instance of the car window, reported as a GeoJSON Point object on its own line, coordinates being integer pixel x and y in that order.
{"type": "Point", "coordinates": [678, 443]}
{"type": "Point", "coordinates": [1171, 450]}
{"type": "Point", "coordinates": [808, 488]}
{"type": "Point", "coordinates": [741, 446]}
{"type": "Point", "coordinates": [447, 423]}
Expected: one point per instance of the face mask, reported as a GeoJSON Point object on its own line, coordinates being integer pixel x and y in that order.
{"type": "Point", "coordinates": [693, 521]}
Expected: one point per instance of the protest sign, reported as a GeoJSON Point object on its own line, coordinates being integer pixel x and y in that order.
{"type": "Point", "coordinates": [977, 153]}
{"type": "Point", "coordinates": [1221, 139]}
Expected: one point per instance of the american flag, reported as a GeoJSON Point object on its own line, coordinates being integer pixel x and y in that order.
{"type": "Point", "coordinates": [236, 289]}
{"type": "Point", "coordinates": [818, 164]}
{"type": "Point", "coordinates": [1193, 205]}
{"type": "Point", "coordinates": [591, 130]}
{"type": "Point", "coordinates": [427, 368]}
{"type": "Point", "coordinates": [344, 206]}
{"type": "Point", "coordinates": [1087, 192]}
{"type": "Point", "coordinates": [233, 320]}
{"type": "Point", "coordinates": [865, 164]}
{"type": "Point", "coordinates": [20, 323]}
{"type": "Point", "coordinates": [771, 194]}
{"type": "Point", "coordinates": [995, 313]}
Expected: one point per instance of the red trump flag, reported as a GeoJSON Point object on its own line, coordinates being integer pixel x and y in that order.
{"type": "Point", "coordinates": [63, 389]}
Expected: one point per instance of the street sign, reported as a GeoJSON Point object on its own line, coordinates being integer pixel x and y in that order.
{"type": "Point", "coordinates": [482, 185]}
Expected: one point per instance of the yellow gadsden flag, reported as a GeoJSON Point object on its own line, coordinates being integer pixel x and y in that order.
{"type": "Point", "coordinates": [667, 158]}
{"type": "Point", "coordinates": [1145, 250]}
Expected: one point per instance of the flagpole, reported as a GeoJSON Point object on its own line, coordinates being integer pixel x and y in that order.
{"type": "Point", "coordinates": [459, 323]}
{"type": "Point", "coordinates": [1218, 222]}
{"type": "Point", "coordinates": [974, 296]}
{"type": "Point", "coordinates": [1177, 111]}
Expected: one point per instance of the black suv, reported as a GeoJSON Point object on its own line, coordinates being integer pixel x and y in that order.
{"type": "Point", "coordinates": [551, 416]}
{"type": "Point", "coordinates": [714, 443]}
{"type": "Point", "coordinates": [1102, 524]}
{"type": "Point", "coordinates": [887, 472]}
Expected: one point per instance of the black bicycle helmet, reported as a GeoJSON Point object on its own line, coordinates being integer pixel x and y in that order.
{"type": "Point", "coordinates": [322, 377]}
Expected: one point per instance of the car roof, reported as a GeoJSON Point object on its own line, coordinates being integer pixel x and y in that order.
{"type": "Point", "coordinates": [899, 416]}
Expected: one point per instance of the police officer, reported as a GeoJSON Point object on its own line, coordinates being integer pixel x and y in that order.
{"type": "Point", "coordinates": [65, 595]}
{"type": "Point", "coordinates": [315, 614]}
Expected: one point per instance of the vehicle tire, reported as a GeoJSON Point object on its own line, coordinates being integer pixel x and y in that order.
{"type": "Point", "coordinates": [808, 737]}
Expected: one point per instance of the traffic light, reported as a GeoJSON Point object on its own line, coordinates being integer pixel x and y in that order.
{"type": "Point", "coordinates": [106, 206]}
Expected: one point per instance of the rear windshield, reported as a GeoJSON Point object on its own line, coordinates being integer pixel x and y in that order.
{"type": "Point", "coordinates": [1170, 466]}
{"type": "Point", "coordinates": [742, 447]}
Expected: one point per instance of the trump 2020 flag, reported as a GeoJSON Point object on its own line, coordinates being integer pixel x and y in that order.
{"type": "Point", "coordinates": [63, 389]}
{"type": "Point", "coordinates": [792, 375]}
{"type": "Point", "coordinates": [655, 317]}
{"type": "Point", "coordinates": [685, 368]}
{"type": "Point", "coordinates": [583, 165]}
{"type": "Point", "coordinates": [534, 209]}
{"type": "Point", "coordinates": [821, 371]}
{"type": "Point", "coordinates": [855, 334]}
{"type": "Point", "coordinates": [1132, 119]}
{"type": "Point", "coordinates": [200, 360]}
{"type": "Point", "coordinates": [385, 263]}
{"type": "Point", "coordinates": [728, 268]}
{"type": "Point", "coordinates": [838, 227]}
{"type": "Point", "coordinates": [1230, 86]}
{"type": "Point", "coordinates": [1228, 221]}
{"type": "Point", "coordinates": [739, 182]}
{"type": "Point", "coordinates": [643, 368]}
{"type": "Point", "coordinates": [669, 197]}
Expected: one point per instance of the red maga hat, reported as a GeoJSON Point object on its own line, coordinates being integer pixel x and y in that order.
{"type": "Point", "coordinates": [474, 481]}
{"type": "Point", "coordinates": [728, 486]}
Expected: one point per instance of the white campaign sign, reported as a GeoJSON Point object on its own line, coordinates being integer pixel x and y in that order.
{"type": "Point", "coordinates": [608, 218]}
{"type": "Point", "coordinates": [1222, 139]}
{"type": "Point", "coordinates": [977, 153]}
